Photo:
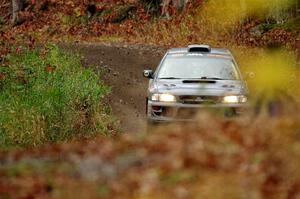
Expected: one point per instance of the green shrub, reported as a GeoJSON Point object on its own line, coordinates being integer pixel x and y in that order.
{"type": "Point", "coordinates": [47, 96]}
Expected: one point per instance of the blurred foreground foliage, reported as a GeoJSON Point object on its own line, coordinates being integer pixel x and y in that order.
{"type": "Point", "coordinates": [248, 157]}
{"type": "Point", "coordinates": [225, 13]}
{"type": "Point", "coordinates": [47, 96]}
{"type": "Point", "coordinates": [273, 71]}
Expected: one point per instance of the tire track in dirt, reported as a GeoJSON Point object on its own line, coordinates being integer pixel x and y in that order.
{"type": "Point", "coordinates": [123, 66]}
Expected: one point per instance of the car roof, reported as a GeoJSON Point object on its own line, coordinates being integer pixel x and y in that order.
{"type": "Point", "coordinates": [219, 51]}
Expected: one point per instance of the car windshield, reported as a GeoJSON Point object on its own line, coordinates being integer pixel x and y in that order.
{"type": "Point", "coordinates": [197, 67]}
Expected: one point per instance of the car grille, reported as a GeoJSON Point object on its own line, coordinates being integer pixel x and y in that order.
{"type": "Point", "coordinates": [194, 99]}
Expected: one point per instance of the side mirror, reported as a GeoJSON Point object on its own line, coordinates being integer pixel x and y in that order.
{"type": "Point", "coordinates": [148, 74]}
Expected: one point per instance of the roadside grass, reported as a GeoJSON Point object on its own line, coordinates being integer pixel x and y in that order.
{"type": "Point", "coordinates": [47, 96]}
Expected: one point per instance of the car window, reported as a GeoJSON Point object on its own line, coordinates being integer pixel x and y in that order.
{"type": "Point", "coordinates": [197, 66]}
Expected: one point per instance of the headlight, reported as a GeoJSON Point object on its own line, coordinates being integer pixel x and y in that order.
{"type": "Point", "coordinates": [163, 97]}
{"type": "Point", "coordinates": [233, 99]}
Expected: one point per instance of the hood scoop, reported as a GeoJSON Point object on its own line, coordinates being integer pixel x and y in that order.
{"type": "Point", "coordinates": [199, 81]}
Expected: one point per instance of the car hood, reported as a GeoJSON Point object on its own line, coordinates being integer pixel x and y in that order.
{"type": "Point", "coordinates": [200, 87]}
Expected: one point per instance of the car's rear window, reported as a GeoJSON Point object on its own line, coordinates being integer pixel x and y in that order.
{"type": "Point", "coordinates": [198, 66]}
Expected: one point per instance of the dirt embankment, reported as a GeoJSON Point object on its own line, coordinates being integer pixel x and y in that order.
{"type": "Point", "coordinates": [123, 66]}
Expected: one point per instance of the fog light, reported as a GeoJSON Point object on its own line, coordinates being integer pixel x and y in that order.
{"type": "Point", "coordinates": [233, 99]}
{"type": "Point", "coordinates": [156, 108]}
{"type": "Point", "coordinates": [167, 98]}
{"type": "Point", "coordinates": [163, 97]}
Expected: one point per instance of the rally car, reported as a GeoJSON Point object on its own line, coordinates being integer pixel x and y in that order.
{"type": "Point", "coordinates": [192, 79]}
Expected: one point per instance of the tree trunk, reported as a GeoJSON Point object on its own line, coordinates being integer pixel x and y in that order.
{"type": "Point", "coordinates": [178, 4]}
{"type": "Point", "coordinates": [16, 5]}
{"type": "Point", "coordinates": [165, 5]}
{"type": "Point", "coordinates": [15, 10]}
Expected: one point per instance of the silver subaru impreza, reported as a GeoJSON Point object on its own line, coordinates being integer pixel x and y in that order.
{"type": "Point", "coordinates": [192, 79]}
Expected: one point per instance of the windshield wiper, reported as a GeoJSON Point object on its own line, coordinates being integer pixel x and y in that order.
{"type": "Point", "coordinates": [169, 78]}
{"type": "Point", "coordinates": [214, 78]}
{"type": "Point", "coordinates": [208, 78]}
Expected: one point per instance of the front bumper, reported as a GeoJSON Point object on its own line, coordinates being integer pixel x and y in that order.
{"type": "Point", "coordinates": [176, 112]}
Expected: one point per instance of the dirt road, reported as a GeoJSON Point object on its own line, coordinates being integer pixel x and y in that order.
{"type": "Point", "coordinates": [123, 66]}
